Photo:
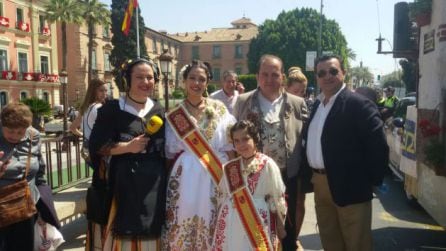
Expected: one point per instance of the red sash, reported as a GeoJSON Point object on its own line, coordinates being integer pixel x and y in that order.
{"type": "Point", "coordinates": [246, 210]}
{"type": "Point", "coordinates": [186, 130]}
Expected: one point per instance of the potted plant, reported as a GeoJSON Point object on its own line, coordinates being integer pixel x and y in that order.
{"type": "Point", "coordinates": [434, 148]}
{"type": "Point", "coordinates": [420, 11]}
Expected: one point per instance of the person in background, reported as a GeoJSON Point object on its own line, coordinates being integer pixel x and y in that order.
{"type": "Point", "coordinates": [267, 192]}
{"type": "Point", "coordinates": [228, 93]}
{"type": "Point", "coordinates": [17, 137]}
{"type": "Point", "coordinates": [346, 156]}
{"type": "Point", "coordinates": [380, 99]}
{"type": "Point", "coordinates": [390, 103]}
{"type": "Point", "coordinates": [192, 190]}
{"type": "Point", "coordinates": [369, 93]}
{"type": "Point", "coordinates": [280, 117]}
{"type": "Point", "coordinates": [94, 99]}
{"type": "Point", "coordinates": [240, 88]}
{"type": "Point", "coordinates": [136, 170]}
{"type": "Point", "coordinates": [297, 85]}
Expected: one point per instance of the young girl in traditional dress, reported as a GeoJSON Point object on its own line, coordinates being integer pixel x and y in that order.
{"type": "Point", "coordinates": [252, 205]}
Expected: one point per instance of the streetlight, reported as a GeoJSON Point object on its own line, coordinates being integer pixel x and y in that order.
{"type": "Point", "coordinates": [166, 67]}
{"type": "Point", "coordinates": [63, 78]}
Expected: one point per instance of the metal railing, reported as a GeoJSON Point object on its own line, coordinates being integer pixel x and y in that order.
{"type": "Point", "coordinates": [64, 165]}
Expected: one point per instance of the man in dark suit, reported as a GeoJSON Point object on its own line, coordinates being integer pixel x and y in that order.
{"type": "Point", "coordinates": [345, 154]}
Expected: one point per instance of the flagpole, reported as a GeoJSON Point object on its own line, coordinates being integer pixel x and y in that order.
{"type": "Point", "coordinates": [137, 32]}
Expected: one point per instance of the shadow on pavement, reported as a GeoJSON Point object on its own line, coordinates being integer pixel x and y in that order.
{"type": "Point", "coordinates": [311, 242]}
{"type": "Point", "coordinates": [74, 235]}
{"type": "Point", "coordinates": [394, 238]}
{"type": "Point", "coordinates": [393, 199]}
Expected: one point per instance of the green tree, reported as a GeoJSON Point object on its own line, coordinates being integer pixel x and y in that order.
{"type": "Point", "coordinates": [124, 47]}
{"type": "Point", "coordinates": [65, 12]}
{"type": "Point", "coordinates": [292, 34]}
{"type": "Point", "coordinates": [362, 75]}
{"type": "Point", "coordinates": [249, 81]}
{"type": "Point", "coordinates": [95, 13]}
{"type": "Point", "coordinates": [39, 108]}
{"type": "Point", "coordinates": [392, 79]}
{"type": "Point", "coordinates": [351, 54]}
{"type": "Point", "coordinates": [409, 76]}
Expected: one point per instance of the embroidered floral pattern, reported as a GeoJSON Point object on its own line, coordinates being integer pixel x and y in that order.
{"type": "Point", "coordinates": [208, 123]}
{"type": "Point", "coordinates": [253, 175]}
{"type": "Point", "coordinates": [192, 233]}
{"type": "Point", "coordinates": [274, 142]}
{"type": "Point", "coordinates": [220, 229]}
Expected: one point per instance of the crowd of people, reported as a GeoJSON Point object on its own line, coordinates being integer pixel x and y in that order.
{"type": "Point", "coordinates": [228, 171]}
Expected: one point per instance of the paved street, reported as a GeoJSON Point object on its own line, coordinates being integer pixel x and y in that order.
{"type": "Point", "coordinates": [397, 225]}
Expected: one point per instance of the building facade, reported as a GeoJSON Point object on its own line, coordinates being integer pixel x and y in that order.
{"type": "Point", "coordinates": [77, 63]}
{"type": "Point", "coordinates": [224, 48]}
{"type": "Point", "coordinates": [156, 43]}
{"type": "Point", "coordinates": [28, 53]}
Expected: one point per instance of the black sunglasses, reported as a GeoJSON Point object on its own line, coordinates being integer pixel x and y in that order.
{"type": "Point", "coordinates": [332, 71]}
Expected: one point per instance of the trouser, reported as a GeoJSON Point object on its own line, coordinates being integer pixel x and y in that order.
{"type": "Point", "coordinates": [289, 242]}
{"type": "Point", "coordinates": [18, 236]}
{"type": "Point", "coordinates": [341, 228]}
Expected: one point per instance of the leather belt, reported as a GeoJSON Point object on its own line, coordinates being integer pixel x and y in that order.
{"type": "Point", "coordinates": [319, 171]}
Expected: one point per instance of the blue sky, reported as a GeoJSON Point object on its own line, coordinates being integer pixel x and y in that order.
{"type": "Point", "coordinates": [358, 20]}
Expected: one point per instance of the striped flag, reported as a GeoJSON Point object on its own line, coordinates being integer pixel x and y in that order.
{"type": "Point", "coordinates": [128, 16]}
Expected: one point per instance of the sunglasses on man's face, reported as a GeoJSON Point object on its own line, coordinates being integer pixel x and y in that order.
{"type": "Point", "coordinates": [323, 73]}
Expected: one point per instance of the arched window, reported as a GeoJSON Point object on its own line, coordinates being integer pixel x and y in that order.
{"type": "Point", "coordinates": [46, 97]}
{"type": "Point", "coordinates": [3, 99]}
{"type": "Point", "coordinates": [23, 95]}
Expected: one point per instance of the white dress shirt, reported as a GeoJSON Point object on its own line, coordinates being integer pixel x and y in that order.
{"type": "Point", "coordinates": [270, 109]}
{"type": "Point", "coordinates": [229, 101]}
{"type": "Point", "coordinates": [314, 146]}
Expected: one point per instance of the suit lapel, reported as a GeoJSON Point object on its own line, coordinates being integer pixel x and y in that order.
{"type": "Point", "coordinates": [337, 105]}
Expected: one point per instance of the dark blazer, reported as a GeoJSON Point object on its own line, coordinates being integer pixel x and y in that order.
{"type": "Point", "coordinates": [354, 148]}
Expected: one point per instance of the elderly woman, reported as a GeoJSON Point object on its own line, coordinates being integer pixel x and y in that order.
{"type": "Point", "coordinates": [17, 138]}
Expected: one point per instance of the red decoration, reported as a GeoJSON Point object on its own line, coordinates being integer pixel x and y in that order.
{"type": "Point", "coordinates": [52, 78]}
{"type": "Point", "coordinates": [9, 75]}
{"type": "Point", "coordinates": [23, 26]}
{"type": "Point", "coordinates": [39, 77]}
{"type": "Point", "coordinates": [46, 31]}
{"type": "Point", "coordinates": [4, 21]}
{"type": "Point", "coordinates": [28, 76]}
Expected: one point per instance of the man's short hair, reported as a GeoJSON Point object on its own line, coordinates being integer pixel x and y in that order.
{"type": "Point", "coordinates": [265, 57]}
{"type": "Point", "coordinates": [328, 57]}
{"type": "Point", "coordinates": [230, 73]}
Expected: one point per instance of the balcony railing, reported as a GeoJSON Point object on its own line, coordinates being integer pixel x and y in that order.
{"type": "Point", "coordinates": [29, 76]}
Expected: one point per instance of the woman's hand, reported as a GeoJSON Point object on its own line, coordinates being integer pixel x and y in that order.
{"type": "Point", "coordinates": [138, 144]}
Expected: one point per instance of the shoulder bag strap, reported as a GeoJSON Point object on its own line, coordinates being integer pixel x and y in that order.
{"type": "Point", "coordinates": [28, 161]}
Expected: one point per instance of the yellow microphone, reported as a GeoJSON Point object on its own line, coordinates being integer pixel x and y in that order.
{"type": "Point", "coordinates": [153, 125]}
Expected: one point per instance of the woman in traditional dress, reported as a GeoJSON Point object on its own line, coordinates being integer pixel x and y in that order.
{"type": "Point", "coordinates": [261, 177]}
{"type": "Point", "coordinates": [136, 172]}
{"type": "Point", "coordinates": [192, 186]}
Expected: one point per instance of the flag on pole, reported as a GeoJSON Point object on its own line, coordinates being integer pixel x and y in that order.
{"type": "Point", "coordinates": [128, 16]}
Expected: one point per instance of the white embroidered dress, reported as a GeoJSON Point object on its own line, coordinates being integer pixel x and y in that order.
{"type": "Point", "coordinates": [265, 184]}
{"type": "Point", "coordinates": [191, 208]}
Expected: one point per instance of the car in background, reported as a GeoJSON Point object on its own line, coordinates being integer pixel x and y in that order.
{"type": "Point", "coordinates": [394, 130]}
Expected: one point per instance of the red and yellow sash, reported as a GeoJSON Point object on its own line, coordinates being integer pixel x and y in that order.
{"type": "Point", "coordinates": [187, 131]}
{"type": "Point", "coordinates": [246, 210]}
